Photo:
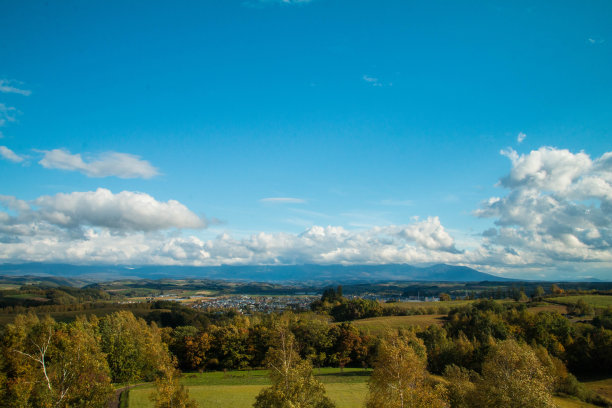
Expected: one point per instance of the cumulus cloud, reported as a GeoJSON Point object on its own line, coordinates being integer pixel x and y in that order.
{"type": "Point", "coordinates": [10, 155]}
{"type": "Point", "coordinates": [122, 165]}
{"type": "Point", "coordinates": [558, 208]}
{"type": "Point", "coordinates": [8, 86]}
{"type": "Point", "coordinates": [283, 200]}
{"type": "Point", "coordinates": [129, 228]}
{"type": "Point", "coordinates": [123, 212]}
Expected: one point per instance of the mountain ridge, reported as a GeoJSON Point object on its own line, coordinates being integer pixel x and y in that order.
{"type": "Point", "coordinates": [260, 273]}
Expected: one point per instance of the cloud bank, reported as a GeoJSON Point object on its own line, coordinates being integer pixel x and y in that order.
{"type": "Point", "coordinates": [555, 213]}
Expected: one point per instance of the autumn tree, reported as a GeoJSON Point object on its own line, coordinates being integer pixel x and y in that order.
{"type": "Point", "coordinates": [461, 386]}
{"type": "Point", "coordinates": [169, 393]}
{"type": "Point", "coordinates": [514, 377]}
{"type": "Point", "coordinates": [135, 351]}
{"type": "Point", "coordinates": [400, 378]}
{"type": "Point", "coordinates": [54, 365]}
{"type": "Point", "coordinates": [293, 384]}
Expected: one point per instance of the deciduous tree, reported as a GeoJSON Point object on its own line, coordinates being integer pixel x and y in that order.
{"type": "Point", "coordinates": [400, 379]}
{"type": "Point", "coordinates": [293, 384]}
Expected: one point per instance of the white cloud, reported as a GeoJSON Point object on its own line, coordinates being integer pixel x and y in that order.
{"type": "Point", "coordinates": [10, 155]}
{"type": "Point", "coordinates": [7, 86]}
{"type": "Point", "coordinates": [7, 114]}
{"type": "Point", "coordinates": [283, 200]}
{"type": "Point", "coordinates": [595, 40]}
{"type": "Point", "coordinates": [121, 165]}
{"type": "Point", "coordinates": [122, 212]}
{"type": "Point", "coordinates": [129, 228]}
{"type": "Point", "coordinates": [556, 214]}
{"type": "Point", "coordinates": [521, 136]}
{"type": "Point", "coordinates": [558, 208]}
{"type": "Point", "coordinates": [371, 80]}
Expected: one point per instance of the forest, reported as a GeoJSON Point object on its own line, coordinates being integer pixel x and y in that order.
{"type": "Point", "coordinates": [81, 359]}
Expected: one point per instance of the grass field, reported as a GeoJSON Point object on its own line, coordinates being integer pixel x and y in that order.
{"type": "Point", "coordinates": [548, 308]}
{"type": "Point", "coordinates": [597, 301]}
{"type": "Point", "coordinates": [237, 389]}
{"type": "Point", "coordinates": [601, 387]}
{"type": "Point", "coordinates": [378, 325]}
{"type": "Point", "coordinates": [348, 389]}
{"type": "Point", "coordinates": [416, 305]}
{"type": "Point", "coordinates": [568, 403]}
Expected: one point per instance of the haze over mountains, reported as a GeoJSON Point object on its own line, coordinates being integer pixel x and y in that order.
{"type": "Point", "coordinates": [259, 273]}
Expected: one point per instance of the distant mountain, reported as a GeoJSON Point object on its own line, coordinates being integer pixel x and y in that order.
{"type": "Point", "coordinates": [258, 273]}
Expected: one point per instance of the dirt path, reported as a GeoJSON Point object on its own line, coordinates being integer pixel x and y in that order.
{"type": "Point", "coordinates": [114, 402]}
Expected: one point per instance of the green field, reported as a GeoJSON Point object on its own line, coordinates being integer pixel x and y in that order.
{"type": "Point", "coordinates": [348, 389]}
{"type": "Point", "coordinates": [571, 403]}
{"type": "Point", "coordinates": [237, 389]}
{"type": "Point", "coordinates": [378, 325]}
{"type": "Point", "coordinates": [597, 301]}
{"type": "Point", "coordinates": [425, 305]}
{"type": "Point", "coordinates": [601, 387]}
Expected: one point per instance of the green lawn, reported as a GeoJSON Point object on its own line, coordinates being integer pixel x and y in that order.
{"type": "Point", "coordinates": [237, 389]}
{"type": "Point", "coordinates": [348, 389]}
{"type": "Point", "coordinates": [598, 301]}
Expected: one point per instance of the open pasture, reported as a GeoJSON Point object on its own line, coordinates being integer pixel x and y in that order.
{"type": "Point", "coordinates": [348, 389]}
{"type": "Point", "coordinates": [596, 301]}
{"type": "Point", "coordinates": [427, 305]}
{"type": "Point", "coordinates": [378, 325]}
{"type": "Point", "coordinates": [238, 389]}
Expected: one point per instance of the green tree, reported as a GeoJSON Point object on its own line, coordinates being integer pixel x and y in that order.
{"type": "Point", "coordinates": [134, 350]}
{"type": "Point", "coordinates": [400, 379]}
{"type": "Point", "coordinates": [539, 293]}
{"type": "Point", "coordinates": [54, 365]}
{"type": "Point", "coordinates": [461, 386]}
{"type": "Point", "coordinates": [169, 393]}
{"type": "Point", "coordinates": [293, 384]}
{"type": "Point", "coordinates": [514, 377]}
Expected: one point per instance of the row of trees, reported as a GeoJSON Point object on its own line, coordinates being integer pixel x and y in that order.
{"type": "Point", "coordinates": [44, 363]}
{"type": "Point", "coordinates": [243, 342]}
{"type": "Point", "coordinates": [514, 375]}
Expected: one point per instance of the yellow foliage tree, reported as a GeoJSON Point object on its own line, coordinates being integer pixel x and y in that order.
{"type": "Point", "coordinates": [400, 379]}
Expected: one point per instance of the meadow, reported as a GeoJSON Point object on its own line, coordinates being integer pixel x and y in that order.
{"type": "Point", "coordinates": [596, 301]}
{"type": "Point", "coordinates": [347, 388]}
{"type": "Point", "coordinates": [238, 389]}
{"type": "Point", "coordinates": [379, 325]}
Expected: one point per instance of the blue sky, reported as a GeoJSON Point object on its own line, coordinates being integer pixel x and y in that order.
{"type": "Point", "coordinates": [308, 132]}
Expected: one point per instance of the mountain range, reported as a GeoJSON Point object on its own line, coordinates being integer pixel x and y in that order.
{"type": "Point", "coordinates": [258, 273]}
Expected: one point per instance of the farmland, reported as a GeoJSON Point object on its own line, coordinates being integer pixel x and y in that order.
{"type": "Point", "coordinates": [596, 301]}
